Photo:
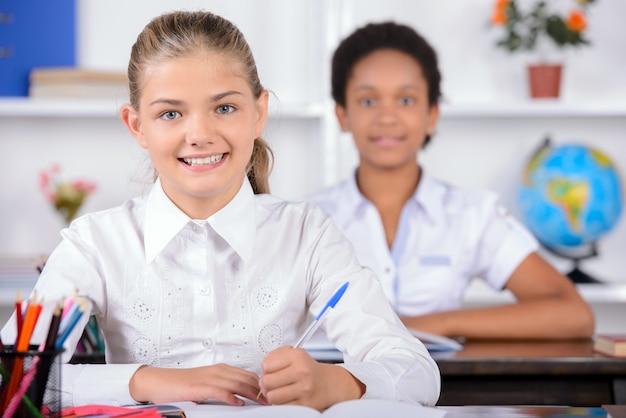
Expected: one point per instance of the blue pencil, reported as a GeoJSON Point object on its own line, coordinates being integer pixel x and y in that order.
{"type": "Point", "coordinates": [73, 320]}
{"type": "Point", "coordinates": [67, 316]}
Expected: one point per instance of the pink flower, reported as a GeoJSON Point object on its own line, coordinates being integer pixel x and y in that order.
{"type": "Point", "coordinates": [84, 186]}
{"type": "Point", "coordinates": [66, 197]}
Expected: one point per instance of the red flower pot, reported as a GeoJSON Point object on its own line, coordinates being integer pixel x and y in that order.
{"type": "Point", "coordinates": [544, 80]}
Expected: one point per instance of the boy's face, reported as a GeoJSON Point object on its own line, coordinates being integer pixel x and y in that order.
{"type": "Point", "coordinates": [387, 109]}
{"type": "Point", "coordinates": [198, 120]}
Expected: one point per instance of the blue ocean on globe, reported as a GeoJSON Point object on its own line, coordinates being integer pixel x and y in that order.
{"type": "Point", "coordinates": [570, 195]}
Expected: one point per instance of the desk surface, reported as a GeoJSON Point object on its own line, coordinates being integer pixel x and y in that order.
{"type": "Point", "coordinates": [531, 373]}
{"type": "Point", "coordinates": [531, 411]}
{"type": "Point", "coordinates": [526, 373]}
{"type": "Point", "coordinates": [574, 357]}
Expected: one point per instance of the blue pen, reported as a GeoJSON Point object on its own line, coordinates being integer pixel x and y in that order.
{"type": "Point", "coordinates": [318, 319]}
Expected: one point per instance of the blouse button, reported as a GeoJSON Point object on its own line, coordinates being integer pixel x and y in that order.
{"type": "Point", "coordinates": [195, 228]}
{"type": "Point", "coordinates": [208, 343]}
{"type": "Point", "coordinates": [205, 290]}
{"type": "Point", "coordinates": [388, 270]}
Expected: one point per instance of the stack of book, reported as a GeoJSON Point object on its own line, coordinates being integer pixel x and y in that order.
{"type": "Point", "coordinates": [76, 83]}
{"type": "Point", "coordinates": [17, 273]}
{"type": "Point", "coordinates": [610, 344]}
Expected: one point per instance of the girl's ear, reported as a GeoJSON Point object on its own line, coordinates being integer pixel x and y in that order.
{"type": "Point", "coordinates": [433, 118]}
{"type": "Point", "coordinates": [130, 117]}
{"type": "Point", "coordinates": [342, 118]}
{"type": "Point", "coordinates": [262, 109]}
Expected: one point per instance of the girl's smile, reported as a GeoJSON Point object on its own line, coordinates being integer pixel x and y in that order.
{"type": "Point", "coordinates": [387, 141]}
{"type": "Point", "coordinates": [203, 163]}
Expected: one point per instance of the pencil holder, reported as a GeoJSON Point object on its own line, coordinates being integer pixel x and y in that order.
{"type": "Point", "coordinates": [30, 383]}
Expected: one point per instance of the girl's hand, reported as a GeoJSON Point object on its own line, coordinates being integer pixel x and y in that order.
{"type": "Point", "coordinates": [292, 376]}
{"type": "Point", "coordinates": [220, 381]}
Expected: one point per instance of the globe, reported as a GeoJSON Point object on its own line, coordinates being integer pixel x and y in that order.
{"type": "Point", "coordinates": [570, 196]}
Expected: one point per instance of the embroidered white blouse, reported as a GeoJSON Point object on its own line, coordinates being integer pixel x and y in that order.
{"type": "Point", "coordinates": [170, 291]}
{"type": "Point", "coordinates": [446, 236]}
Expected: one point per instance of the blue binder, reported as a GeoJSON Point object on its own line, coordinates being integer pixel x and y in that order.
{"type": "Point", "coordinates": [34, 33]}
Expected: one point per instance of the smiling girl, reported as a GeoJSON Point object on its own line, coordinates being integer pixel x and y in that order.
{"type": "Point", "coordinates": [202, 287]}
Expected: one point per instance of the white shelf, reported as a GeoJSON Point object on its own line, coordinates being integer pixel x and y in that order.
{"type": "Point", "coordinates": [27, 107]}
{"type": "Point", "coordinates": [534, 109]}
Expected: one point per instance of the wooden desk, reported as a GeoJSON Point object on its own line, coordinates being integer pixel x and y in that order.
{"type": "Point", "coordinates": [531, 373]}
{"type": "Point", "coordinates": [520, 373]}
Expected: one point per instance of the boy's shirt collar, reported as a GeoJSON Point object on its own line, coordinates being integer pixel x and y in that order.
{"type": "Point", "coordinates": [236, 222]}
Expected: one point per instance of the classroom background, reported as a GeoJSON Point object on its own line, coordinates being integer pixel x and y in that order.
{"type": "Point", "coordinates": [488, 128]}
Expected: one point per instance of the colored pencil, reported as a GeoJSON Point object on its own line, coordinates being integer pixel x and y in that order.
{"type": "Point", "coordinates": [69, 302]}
{"type": "Point", "coordinates": [66, 317]}
{"type": "Point", "coordinates": [65, 332]}
{"type": "Point", "coordinates": [19, 315]}
{"type": "Point", "coordinates": [53, 331]}
{"type": "Point", "coordinates": [40, 264]}
{"type": "Point", "coordinates": [16, 398]}
{"type": "Point", "coordinates": [30, 320]}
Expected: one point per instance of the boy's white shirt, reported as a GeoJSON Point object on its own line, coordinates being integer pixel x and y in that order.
{"type": "Point", "coordinates": [169, 291]}
{"type": "Point", "coordinates": [446, 237]}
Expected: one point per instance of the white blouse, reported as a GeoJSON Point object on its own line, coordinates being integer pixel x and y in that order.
{"type": "Point", "coordinates": [169, 291]}
{"type": "Point", "coordinates": [446, 237]}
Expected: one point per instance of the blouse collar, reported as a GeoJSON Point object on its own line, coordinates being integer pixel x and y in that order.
{"type": "Point", "coordinates": [235, 222]}
{"type": "Point", "coordinates": [428, 196]}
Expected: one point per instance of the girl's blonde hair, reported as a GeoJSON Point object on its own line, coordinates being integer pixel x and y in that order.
{"type": "Point", "coordinates": [179, 34]}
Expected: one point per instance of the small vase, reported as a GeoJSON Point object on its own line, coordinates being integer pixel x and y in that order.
{"type": "Point", "coordinates": [544, 80]}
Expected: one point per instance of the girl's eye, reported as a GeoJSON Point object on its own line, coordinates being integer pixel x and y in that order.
{"type": "Point", "coordinates": [367, 102]}
{"type": "Point", "coordinates": [225, 109]}
{"type": "Point", "coordinates": [170, 115]}
{"type": "Point", "coordinates": [407, 101]}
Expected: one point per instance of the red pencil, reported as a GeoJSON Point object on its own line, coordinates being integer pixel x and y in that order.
{"type": "Point", "coordinates": [18, 315]}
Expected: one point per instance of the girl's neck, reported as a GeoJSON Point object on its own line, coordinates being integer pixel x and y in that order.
{"type": "Point", "coordinates": [197, 207]}
{"type": "Point", "coordinates": [388, 187]}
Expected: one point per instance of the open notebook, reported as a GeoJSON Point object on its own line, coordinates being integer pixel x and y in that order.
{"type": "Point", "coordinates": [435, 342]}
{"type": "Point", "coordinates": [362, 408]}
{"type": "Point", "coordinates": [323, 350]}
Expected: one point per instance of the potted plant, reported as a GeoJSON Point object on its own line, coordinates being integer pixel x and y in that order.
{"type": "Point", "coordinates": [535, 27]}
{"type": "Point", "coordinates": [66, 196]}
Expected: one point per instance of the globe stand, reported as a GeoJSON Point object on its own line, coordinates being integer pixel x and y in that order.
{"type": "Point", "coordinates": [579, 276]}
{"type": "Point", "coordinates": [576, 275]}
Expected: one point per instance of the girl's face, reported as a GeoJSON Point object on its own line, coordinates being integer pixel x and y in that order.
{"type": "Point", "coordinates": [198, 119]}
{"type": "Point", "coordinates": [387, 109]}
